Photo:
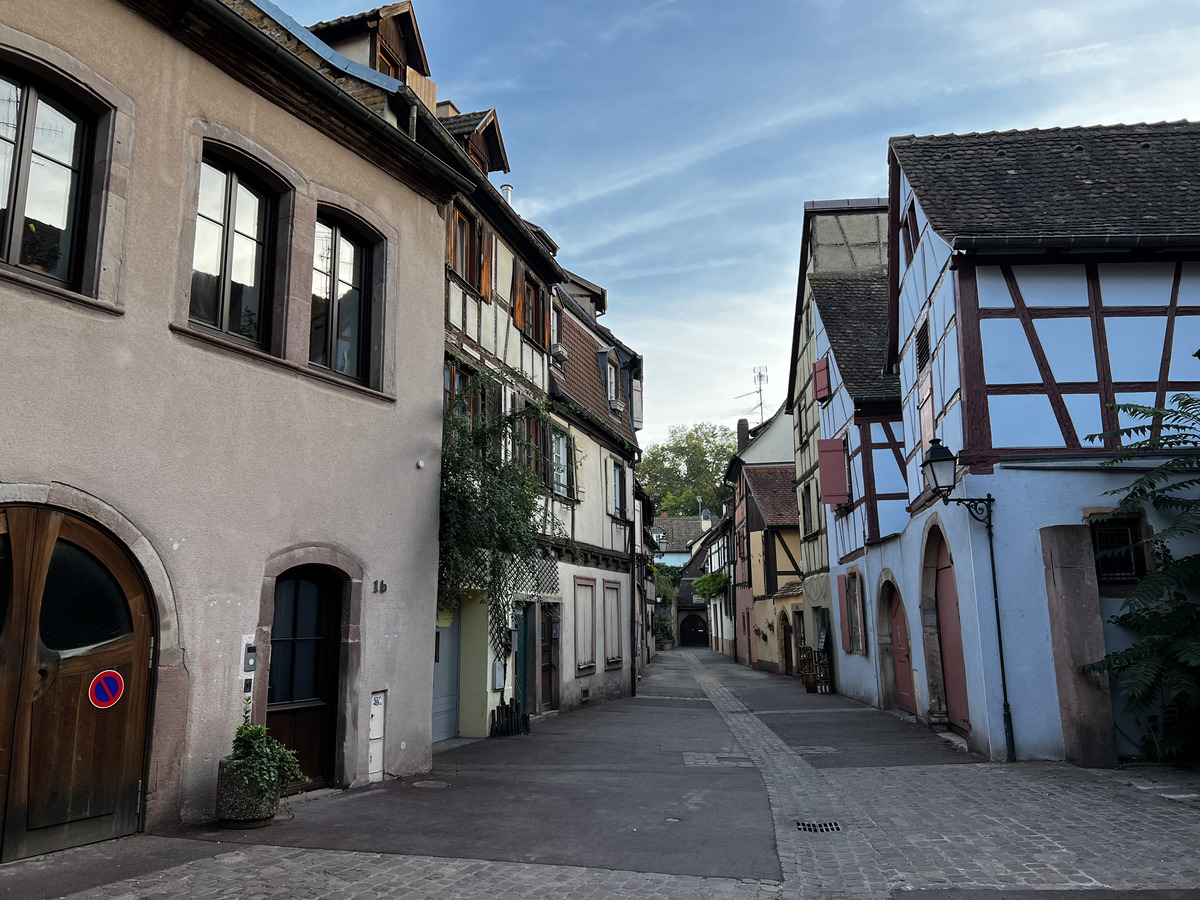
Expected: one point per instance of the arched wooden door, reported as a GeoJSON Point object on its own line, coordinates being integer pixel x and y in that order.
{"type": "Point", "coordinates": [902, 656]}
{"type": "Point", "coordinates": [302, 693]}
{"type": "Point", "coordinates": [785, 638]}
{"type": "Point", "coordinates": [954, 667]}
{"type": "Point", "coordinates": [693, 632]}
{"type": "Point", "coordinates": [75, 675]}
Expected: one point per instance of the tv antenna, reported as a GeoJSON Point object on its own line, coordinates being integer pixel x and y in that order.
{"type": "Point", "coordinates": [760, 378]}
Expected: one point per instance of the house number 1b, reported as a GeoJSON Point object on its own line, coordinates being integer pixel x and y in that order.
{"type": "Point", "coordinates": [380, 587]}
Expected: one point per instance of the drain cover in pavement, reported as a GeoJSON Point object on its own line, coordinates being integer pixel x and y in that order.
{"type": "Point", "coordinates": [431, 784]}
{"type": "Point", "coordinates": [818, 827]}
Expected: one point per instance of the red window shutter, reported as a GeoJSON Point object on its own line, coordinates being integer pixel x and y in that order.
{"type": "Point", "coordinates": [844, 610]}
{"type": "Point", "coordinates": [821, 378]}
{"type": "Point", "coordinates": [831, 461]}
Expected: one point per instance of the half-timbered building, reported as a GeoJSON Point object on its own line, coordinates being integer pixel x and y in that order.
{"type": "Point", "coordinates": [860, 459]}
{"type": "Point", "coordinates": [1036, 278]}
{"type": "Point", "coordinates": [766, 538]}
{"type": "Point", "coordinates": [838, 236]}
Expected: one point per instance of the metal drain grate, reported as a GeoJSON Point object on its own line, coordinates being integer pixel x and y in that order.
{"type": "Point", "coordinates": [818, 827]}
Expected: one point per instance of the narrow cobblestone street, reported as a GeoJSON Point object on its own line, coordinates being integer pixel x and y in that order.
{"type": "Point", "coordinates": [715, 781]}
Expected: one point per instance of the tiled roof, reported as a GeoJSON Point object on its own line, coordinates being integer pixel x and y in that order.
{"type": "Point", "coordinates": [581, 380]}
{"type": "Point", "coordinates": [678, 530]}
{"type": "Point", "coordinates": [1105, 180]}
{"type": "Point", "coordinates": [791, 589]}
{"type": "Point", "coordinates": [775, 494]}
{"type": "Point", "coordinates": [467, 123]}
{"type": "Point", "coordinates": [854, 311]}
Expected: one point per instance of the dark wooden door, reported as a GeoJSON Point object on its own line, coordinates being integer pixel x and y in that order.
{"type": "Point", "coordinates": [902, 656]}
{"type": "Point", "coordinates": [549, 653]}
{"type": "Point", "coordinates": [73, 607]}
{"type": "Point", "coordinates": [785, 632]}
{"type": "Point", "coordinates": [954, 667]}
{"type": "Point", "coordinates": [302, 693]}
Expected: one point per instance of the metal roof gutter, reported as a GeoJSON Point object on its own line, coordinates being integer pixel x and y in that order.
{"type": "Point", "coordinates": [1073, 241]}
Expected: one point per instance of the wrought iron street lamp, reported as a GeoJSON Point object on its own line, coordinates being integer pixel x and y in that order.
{"type": "Point", "coordinates": [940, 467]}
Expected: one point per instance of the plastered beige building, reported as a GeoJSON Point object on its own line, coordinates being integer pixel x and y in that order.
{"type": "Point", "coordinates": [249, 451]}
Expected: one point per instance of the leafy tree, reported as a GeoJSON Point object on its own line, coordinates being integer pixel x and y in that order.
{"type": "Point", "coordinates": [491, 506]}
{"type": "Point", "coordinates": [666, 581]}
{"type": "Point", "coordinates": [690, 463]}
{"type": "Point", "coordinates": [1159, 676]}
{"type": "Point", "coordinates": [711, 586]}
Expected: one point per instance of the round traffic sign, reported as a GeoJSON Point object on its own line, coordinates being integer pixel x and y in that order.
{"type": "Point", "coordinates": [106, 689]}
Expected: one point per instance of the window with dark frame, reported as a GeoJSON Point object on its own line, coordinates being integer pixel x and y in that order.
{"type": "Point", "coordinates": [461, 246]}
{"type": "Point", "coordinates": [618, 490]}
{"type": "Point", "coordinates": [854, 611]}
{"type": "Point", "coordinates": [806, 508]}
{"type": "Point", "coordinates": [43, 180]}
{"type": "Point", "coordinates": [529, 312]}
{"type": "Point", "coordinates": [612, 382]}
{"type": "Point", "coordinates": [230, 261]}
{"type": "Point", "coordinates": [1118, 561]}
{"type": "Point", "coordinates": [563, 476]}
{"type": "Point", "coordinates": [339, 321]}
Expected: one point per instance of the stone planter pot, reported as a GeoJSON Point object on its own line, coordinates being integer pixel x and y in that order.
{"type": "Point", "coordinates": [242, 805]}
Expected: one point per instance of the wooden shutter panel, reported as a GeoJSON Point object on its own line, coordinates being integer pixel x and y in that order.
{"type": "Point", "coordinates": [821, 379]}
{"type": "Point", "coordinates": [831, 462]}
{"type": "Point", "coordinates": [842, 608]}
{"type": "Point", "coordinates": [450, 235]}
{"type": "Point", "coordinates": [485, 278]}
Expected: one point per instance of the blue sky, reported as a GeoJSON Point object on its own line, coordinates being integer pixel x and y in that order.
{"type": "Point", "coordinates": [668, 146]}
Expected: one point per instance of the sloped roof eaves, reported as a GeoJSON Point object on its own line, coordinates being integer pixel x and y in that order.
{"type": "Point", "coordinates": [467, 123]}
{"type": "Point", "coordinates": [814, 208]}
{"type": "Point", "coordinates": [854, 311]}
{"type": "Point", "coordinates": [775, 494]}
{"type": "Point", "coordinates": [1094, 186]}
{"type": "Point", "coordinates": [583, 381]}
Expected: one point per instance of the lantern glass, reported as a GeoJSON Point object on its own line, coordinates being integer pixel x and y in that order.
{"type": "Point", "coordinates": [939, 465]}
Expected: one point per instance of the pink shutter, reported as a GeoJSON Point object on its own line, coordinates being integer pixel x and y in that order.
{"type": "Point", "coordinates": [821, 379]}
{"type": "Point", "coordinates": [831, 461]}
{"type": "Point", "coordinates": [845, 613]}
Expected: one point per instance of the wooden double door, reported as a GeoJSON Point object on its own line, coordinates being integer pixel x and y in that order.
{"type": "Point", "coordinates": [75, 680]}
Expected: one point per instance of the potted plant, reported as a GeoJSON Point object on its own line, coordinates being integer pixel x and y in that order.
{"type": "Point", "coordinates": [251, 778]}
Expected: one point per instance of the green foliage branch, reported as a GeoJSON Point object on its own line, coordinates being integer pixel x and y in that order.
{"type": "Point", "coordinates": [1159, 675]}
{"type": "Point", "coordinates": [690, 463]}
{"type": "Point", "coordinates": [492, 502]}
{"type": "Point", "coordinates": [711, 586]}
{"type": "Point", "coordinates": [260, 759]}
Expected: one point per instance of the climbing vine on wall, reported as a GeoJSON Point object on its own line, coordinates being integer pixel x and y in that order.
{"type": "Point", "coordinates": [492, 504]}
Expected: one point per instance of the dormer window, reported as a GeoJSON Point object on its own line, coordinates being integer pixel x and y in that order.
{"type": "Point", "coordinates": [388, 64]}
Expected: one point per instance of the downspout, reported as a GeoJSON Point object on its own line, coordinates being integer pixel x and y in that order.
{"type": "Point", "coordinates": [634, 603]}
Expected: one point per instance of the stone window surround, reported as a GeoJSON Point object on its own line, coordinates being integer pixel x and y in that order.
{"type": "Point", "coordinates": [299, 204]}
{"type": "Point", "coordinates": [112, 154]}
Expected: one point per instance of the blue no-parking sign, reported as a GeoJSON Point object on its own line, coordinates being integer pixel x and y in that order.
{"type": "Point", "coordinates": [106, 689]}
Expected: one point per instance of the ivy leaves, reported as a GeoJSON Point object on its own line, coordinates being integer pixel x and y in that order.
{"type": "Point", "coordinates": [1159, 676]}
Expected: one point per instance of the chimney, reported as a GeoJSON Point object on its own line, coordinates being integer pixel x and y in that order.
{"type": "Point", "coordinates": [705, 520]}
{"type": "Point", "coordinates": [743, 434]}
{"type": "Point", "coordinates": [506, 190]}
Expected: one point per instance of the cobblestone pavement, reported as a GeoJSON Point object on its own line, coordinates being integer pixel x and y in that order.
{"type": "Point", "coordinates": [979, 830]}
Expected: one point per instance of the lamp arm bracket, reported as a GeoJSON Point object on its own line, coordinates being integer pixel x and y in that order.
{"type": "Point", "coordinates": [980, 508]}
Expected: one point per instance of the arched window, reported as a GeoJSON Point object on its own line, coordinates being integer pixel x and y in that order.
{"type": "Point", "coordinates": [338, 336]}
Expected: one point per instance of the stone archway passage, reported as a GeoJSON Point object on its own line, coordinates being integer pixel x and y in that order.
{"type": "Point", "coordinates": [75, 639]}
